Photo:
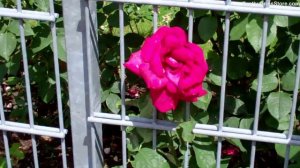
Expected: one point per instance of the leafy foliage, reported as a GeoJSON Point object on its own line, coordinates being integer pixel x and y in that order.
{"type": "Point", "coordinates": [39, 52]}
{"type": "Point", "coordinates": [241, 85]}
{"type": "Point", "coordinates": [208, 32]}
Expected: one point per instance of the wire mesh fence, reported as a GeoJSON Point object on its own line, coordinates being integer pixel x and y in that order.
{"type": "Point", "coordinates": [10, 125]}
{"type": "Point", "coordinates": [96, 115]}
{"type": "Point", "coordinates": [87, 115]}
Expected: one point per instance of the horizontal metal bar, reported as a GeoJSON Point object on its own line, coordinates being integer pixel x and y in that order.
{"type": "Point", "coordinates": [26, 14]}
{"type": "Point", "coordinates": [37, 130]}
{"type": "Point", "coordinates": [132, 118]}
{"type": "Point", "coordinates": [246, 137]}
{"type": "Point", "coordinates": [243, 7]}
{"type": "Point", "coordinates": [262, 136]}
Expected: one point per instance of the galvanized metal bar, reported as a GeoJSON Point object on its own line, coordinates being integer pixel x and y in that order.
{"type": "Point", "coordinates": [6, 148]}
{"type": "Point", "coordinates": [58, 85]}
{"type": "Point", "coordinates": [223, 84]}
{"type": "Point", "coordinates": [293, 111]}
{"type": "Point", "coordinates": [154, 112]}
{"type": "Point", "coordinates": [27, 83]}
{"type": "Point", "coordinates": [210, 130]}
{"type": "Point", "coordinates": [188, 105]}
{"type": "Point", "coordinates": [287, 156]}
{"type": "Point", "coordinates": [94, 85]}
{"type": "Point", "coordinates": [5, 138]}
{"type": "Point", "coordinates": [79, 69]}
{"type": "Point", "coordinates": [25, 128]}
{"type": "Point", "coordinates": [122, 61]}
{"type": "Point", "coordinates": [241, 7]}
{"type": "Point", "coordinates": [259, 87]}
{"type": "Point", "coordinates": [27, 14]}
{"type": "Point", "coordinates": [171, 125]}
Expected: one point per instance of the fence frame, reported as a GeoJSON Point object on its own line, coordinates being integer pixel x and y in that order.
{"type": "Point", "coordinates": [80, 20]}
{"type": "Point", "coordinates": [31, 128]}
{"type": "Point", "coordinates": [80, 24]}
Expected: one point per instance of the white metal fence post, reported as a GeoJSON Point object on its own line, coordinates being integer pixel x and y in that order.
{"type": "Point", "coordinates": [83, 72]}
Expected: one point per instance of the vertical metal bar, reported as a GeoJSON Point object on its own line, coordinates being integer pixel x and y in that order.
{"type": "Point", "coordinates": [154, 116]}
{"type": "Point", "coordinates": [58, 85]}
{"type": "Point", "coordinates": [259, 87]}
{"type": "Point", "coordinates": [123, 110]}
{"type": "Point", "coordinates": [94, 85]}
{"type": "Point", "coordinates": [287, 156]}
{"type": "Point", "coordinates": [292, 117]}
{"type": "Point", "coordinates": [5, 139]}
{"type": "Point", "coordinates": [188, 105]}
{"type": "Point", "coordinates": [82, 65]}
{"type": "Point", "coordinates": [27, 83]}
{"type": "Point", "coordinates": [223, 84]}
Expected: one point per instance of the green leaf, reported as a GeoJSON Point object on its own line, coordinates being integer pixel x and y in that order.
{"type": "Point", "coordinates": [12, 80]}
{"type": "Point", "coordinates": [269, 83]}
{"type": "Point", "coordinates": [207, 27]}
{"type": "Point", "coordinates": [204, 101]}
{"type": "Point", "coordinates": [238, 28]}
{"type": "Point", "coordinates": [288, 80]}
{"type": "Point", "coordinates": [40, 43]}
{"type": "Point", "coordinates": [232, 122]}
{"type": "Point", "coordinates": [148, 158]}
{"type": "Point", "coordinates": [104, 94]}
{"type": "Point", "coordinates": [14, 28]}
{"type": "Point", "coordinates": [185, 131]}
{"type": "Point", "coordinates": [42, 5]}
{"type": "Point", "coordinates": [225, 162]}
{"type": "Point", "coordinates": [133, 143]}
{"type": "Point", "coordinates": [281, 21]}
{"type": "Point", "coordinates": [115, 88]}
{"type": "Point", "coordinates": [246, 123]}
{"type": "Point", "coordinates": [205, 155]}
{"type": "Point", "coordinates": [254, 32]}
{"type": "Point", "coordinates": [145, 106]}
{"type": "Point", "coordinates": [235, 106]}
{"type": "Point", "coordinates": [46, 90]}
{"type": "Point", "coordinates": [279, 104]}
{"type": "Point", "coordinates": [16, 152]}
{"type": "Point", "coordinates": [238, 143]}
{"type": "Point", "coordinates": [294, 151]}
{"type": "Point", "coordinates": [146, 134]}
{"type": "Point", "coordinates": [285, 21]}
{"type": "Point", "coordinates": [113, 102]}
{"type": "Point", "coordinates": [8, 43]}
{"type": "Point", "coordinates": [13, 65]}
{"type": "Point", "coordinates": [2, 159]}
{"type": "Point", "coordinates": [61, 47]}
{"type": "Point", "coordinates": [291, 54]}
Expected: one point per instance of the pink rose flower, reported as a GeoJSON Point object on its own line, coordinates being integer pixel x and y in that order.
{"type": "Point", "coordinates": [172, 68]}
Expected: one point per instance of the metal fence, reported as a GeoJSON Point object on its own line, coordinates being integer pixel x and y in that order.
{"type": "Point", "coordinates": [80, 20]}
{"type": "Point", "coordinates": [31, 128]}
{"type": "Point", "coordinates": [81, 39]}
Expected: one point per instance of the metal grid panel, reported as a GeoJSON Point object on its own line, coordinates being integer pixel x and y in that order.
{"type": "Point", "coordinates": [31, 128]}
{"type": "Point", "coordinates": [220, 131]}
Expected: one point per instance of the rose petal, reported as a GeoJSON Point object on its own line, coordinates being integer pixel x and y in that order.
{"type": "Point", "coordinates": [174, 77]}
{"type": "Point", "coordinates": [163, 100]}
{"type": "Point", "coordinates": [156, 63]}
{"type": "Point", "coordinates": [175, 37]}
{"type": "Point", "coordinates": [153, 81]}
{"type": "Point", "coordinates": [134, 62]}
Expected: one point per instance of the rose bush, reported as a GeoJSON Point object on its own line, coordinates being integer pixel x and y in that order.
{"type": "Point", "coordinates": [172, 68]}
